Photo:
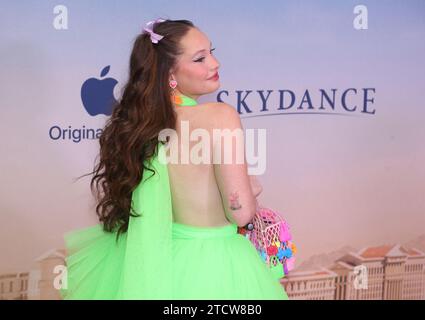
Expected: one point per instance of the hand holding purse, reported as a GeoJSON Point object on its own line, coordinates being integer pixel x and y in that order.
{"type": "Point", "coordinates": [271, 236]}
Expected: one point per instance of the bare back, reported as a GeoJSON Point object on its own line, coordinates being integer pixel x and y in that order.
{"type": "Point", "coordinates": [195, 194]}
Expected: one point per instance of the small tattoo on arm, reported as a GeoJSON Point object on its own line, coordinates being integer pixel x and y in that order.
{"type": "Point", "coordinates": [234, 201]}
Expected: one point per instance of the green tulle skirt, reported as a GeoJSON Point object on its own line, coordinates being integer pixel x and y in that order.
{"type": "Point", "coordinates": [219, 263]}
{"type": "Point", "coordinates": [160, 259]}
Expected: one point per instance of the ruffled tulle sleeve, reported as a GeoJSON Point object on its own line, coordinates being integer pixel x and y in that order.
{"type": "Point", "coordinates": [147, 263]}
{"type": "Point", "coordinates": [138, 265]}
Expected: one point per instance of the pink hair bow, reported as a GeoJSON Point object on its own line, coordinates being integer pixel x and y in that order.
{"type": "Point", "coordinates": [154, 36]}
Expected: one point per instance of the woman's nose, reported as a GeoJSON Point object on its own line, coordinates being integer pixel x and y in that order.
{"type": "Point", "coordinates": [215, 64]}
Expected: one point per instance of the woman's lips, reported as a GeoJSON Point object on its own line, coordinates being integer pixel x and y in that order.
{"type": "Point", "coordinates": [214, 77]}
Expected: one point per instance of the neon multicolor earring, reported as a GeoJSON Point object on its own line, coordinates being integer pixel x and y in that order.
{"type": "Point", "coordinates": [173, 84]}
{"type": "Point", "coordinates": [181, 99]}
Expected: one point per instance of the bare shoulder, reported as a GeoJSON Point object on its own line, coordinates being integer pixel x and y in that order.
{"type": "Point", "coordinates": [222, 108]}
{"type": "Point", "coordinates": [220, 114]}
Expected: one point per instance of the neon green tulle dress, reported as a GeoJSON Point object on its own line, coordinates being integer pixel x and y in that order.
{"type": "Point", "coordinates": [160, 259]}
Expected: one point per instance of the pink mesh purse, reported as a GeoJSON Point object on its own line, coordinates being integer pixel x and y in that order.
{"type": "Point", "coordinates": [270, 235]}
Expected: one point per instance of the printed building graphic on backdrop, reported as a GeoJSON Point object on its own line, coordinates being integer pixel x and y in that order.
{"type": "Point", "coordinates": [36, 284]}
{"type": "Point", "coordinates": [387, 272]}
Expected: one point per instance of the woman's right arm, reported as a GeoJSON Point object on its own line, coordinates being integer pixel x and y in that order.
{"type": "Point", "coordinates": [232, 178]}
{"type": "Point", "coordinates": [255, 186]}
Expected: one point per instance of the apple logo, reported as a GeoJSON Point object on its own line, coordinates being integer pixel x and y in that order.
{"type": "Point", "coordinates": [98, 94]}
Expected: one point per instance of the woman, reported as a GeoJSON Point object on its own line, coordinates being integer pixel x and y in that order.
{"type": "Point", "coordinates": [168, 229]}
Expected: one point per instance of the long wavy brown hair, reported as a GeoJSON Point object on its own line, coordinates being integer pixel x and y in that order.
{"type": "Point", "coordinates": [130, 135]}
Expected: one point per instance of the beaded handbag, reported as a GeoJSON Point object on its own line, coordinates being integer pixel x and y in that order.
{"type": "Point", "coordinates": [270, 235]}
